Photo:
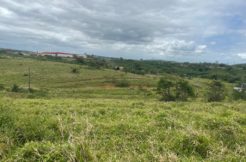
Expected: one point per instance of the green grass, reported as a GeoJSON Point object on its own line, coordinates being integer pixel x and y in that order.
{"type": "Point", "coordinates": [87, 116]}
{"type": "Point", "coordinates": [56, 79]}
{"type": "Point", "coordinates": [121, 130]}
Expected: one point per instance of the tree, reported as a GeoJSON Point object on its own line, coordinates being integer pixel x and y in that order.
{"type": "Point", "coordinates": [164, 88]}
{"type": "Point", "coordinates": [216, 91]}
{"type": "Point", "coordinates": [184, 90]}
{"type": "Point", "coordinates": [80, 60]}
{"type": "Point", "coordinates": [180, 91]}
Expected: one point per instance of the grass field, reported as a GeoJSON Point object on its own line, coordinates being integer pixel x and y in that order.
{"type": "Point", "coordinates": [85, 116]}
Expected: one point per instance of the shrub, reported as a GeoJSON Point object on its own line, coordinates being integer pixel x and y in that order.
{"type": "Point", "coordinates": [164, 89]}
{"type": "Point", "coordinates": [75, 70]}
{"type": "Point", "coordinates": [184, 90]}
{"type": "Point", "coordinates": [216, 91]}
{"type": "Point", "coordinates": [15, 88]}
{"type": "Point", "coordinates": [180, 91]}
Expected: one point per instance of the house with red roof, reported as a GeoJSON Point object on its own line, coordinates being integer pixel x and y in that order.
{"type": "Point", "coordinates": [57, 54]}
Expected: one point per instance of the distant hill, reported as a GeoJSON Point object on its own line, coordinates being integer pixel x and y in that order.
{"type": "Point", "coordinates": [228, 73]}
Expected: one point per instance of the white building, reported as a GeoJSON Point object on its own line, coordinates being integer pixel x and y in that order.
{"type": "Point", "coordinates": [240, 89]}
{"type": "Point", "coordinates": [57, 54]}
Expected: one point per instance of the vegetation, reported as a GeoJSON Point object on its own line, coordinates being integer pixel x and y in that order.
{"type": "Point", "coordinates": [101, 114]}
{"type": "Point", "coordinates": [2, 87]}
{"type": "Point", "coordinates": [75, 70]}
{"type": "Point", "coordinates": [237, 95]}
{"type": "Point", "coordinates": [165, 89]}
{"type": "Point", "coordinates": [228, 73]}
{"type": "Point", "coordinates": [122, 83]}
{"type": "Point", "coordinates": [216, 91]}
{"type": "Point", "coordinates": [179, 91]}
{"type": "Point", "coordinates": [184, 90]}
{"type": "Point", "coordinates": [15, 88]}
{"type": "Point", "coordinates": [215, 71]}
{"type": "Point", "coordinates": [121, 130]}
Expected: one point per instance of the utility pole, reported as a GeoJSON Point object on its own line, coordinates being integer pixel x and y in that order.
{"type": "Point", "coordinates": [29, 79]}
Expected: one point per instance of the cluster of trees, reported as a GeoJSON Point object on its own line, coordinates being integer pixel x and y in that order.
{"type": "Point", "coordinates": [182, 91]}
{"type": "Point", "coordinates": [216, 71]}
{"type": "Point", "coordinates": [228, 73]}
{"type": "Point", "coordinates": [92, 62]}
{"type": "Point", "coordinates": [179, 91]}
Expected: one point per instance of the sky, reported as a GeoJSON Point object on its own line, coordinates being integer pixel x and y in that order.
{"type": "Point", "coordinates": [175, 30]}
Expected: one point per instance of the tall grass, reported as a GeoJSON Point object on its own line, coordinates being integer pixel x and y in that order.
{"type": "Point", "coordinates": [121, 130]}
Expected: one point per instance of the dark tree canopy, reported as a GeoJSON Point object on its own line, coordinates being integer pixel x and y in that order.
{"type": "Point", "coordinates": [216, 91]}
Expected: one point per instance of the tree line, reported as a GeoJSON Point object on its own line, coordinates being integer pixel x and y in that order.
{"type": "Point", "coordinates": [182, 91]}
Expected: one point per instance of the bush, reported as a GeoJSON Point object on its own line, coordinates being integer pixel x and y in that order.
{"type": "Point", "coordinates": [164, 89]}
{"type": "Point", "coordinates": [15, 88]}
{"type": "Point", "coordinates": [184, 90]}
{"type": "Point", "coordinates": [75, 70]}
{"type": "Point", "coordinates": [180, 91]}
{"type": "Point", "coordinates": [216, 92]}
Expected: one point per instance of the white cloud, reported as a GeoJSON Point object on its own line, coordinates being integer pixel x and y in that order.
{"type": "Point", "coordinates": [4, 12]}
{"type": "Point", "coordinates": [242, 55]}
{"type": "Point", "coordinates": [170, 27]}
{"type": "Point", "coordinates": [201, 49]}
{"type": "Point", "coordinates": [170, 47]}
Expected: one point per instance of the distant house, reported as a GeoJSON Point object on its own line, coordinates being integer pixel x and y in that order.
{"type": "Point", "coordinates": [57, 54]}
{"type": "Point", "coordinates": [241, 88]}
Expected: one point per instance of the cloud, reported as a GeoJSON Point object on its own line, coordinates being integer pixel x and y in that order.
{"type": "Point", "coordinates": [201, 49]}
{"type": "Point", "coordinates": [114, 28]}
{"type": "Point", "coordinates": [170, 46]}
{"type": "Point", "coordinates": [5, 12]}
{"type": "Point", "coordinates": [242, 55]}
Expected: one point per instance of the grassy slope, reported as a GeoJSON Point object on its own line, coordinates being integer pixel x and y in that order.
{"type": "Point", "coordinates": [55, 79]}
{"type": "Point", "coordinates": [124, 130]}
{"type": "Point", "coordinates": [58, 80]}
{"type": "Point", "coordinates": [101, 122]}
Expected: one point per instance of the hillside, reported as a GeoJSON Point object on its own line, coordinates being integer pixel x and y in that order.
{"type": "Point", "coordinates": [228, 73]}
{"type": "Point", "coordinates": [76, 112]}
{"type": "Point", "coordinates": [57, 79]}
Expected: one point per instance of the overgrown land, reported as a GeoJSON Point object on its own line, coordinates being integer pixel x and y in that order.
{"type": "Point", "coordinates": [87, 110]}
